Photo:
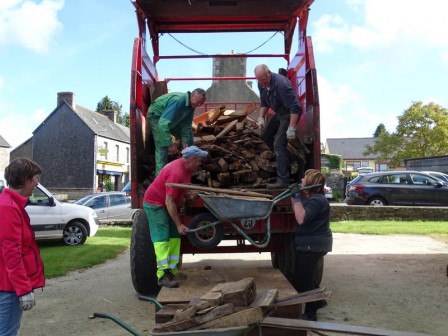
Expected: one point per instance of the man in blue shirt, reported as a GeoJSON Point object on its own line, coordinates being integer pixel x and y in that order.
{"type": "Point", "coordinates": [276, 92]}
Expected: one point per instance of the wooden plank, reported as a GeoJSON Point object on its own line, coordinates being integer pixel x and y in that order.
{"type": "Point", "coordinates": [303, 299]}
{"type": "Point", "coordinates": [216, 313]}
{"type": "Point", "coordinates": [240, 293]}
{"type": "Point", "coordinates": [265, 298]}
{"type": "Point", "coordinates": [182, 314]}
{"type": "Point", "coordinates": [296, 324]}
{"type": "Point", "coordinates": [242, 318]}
{"type": "Point", "coordinates": [167, 312]}
{"type": "Point", "coordinates": [218, 190]}
{"type": "Point", "coordinates": [227, 129]}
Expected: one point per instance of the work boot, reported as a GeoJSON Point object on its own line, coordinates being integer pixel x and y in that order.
{"type": "Point", "coordinates": [278, 185]}
{"type": "Point", "coordinates": [308, 316]}
{"type": "Point", "coordinates": [321, 304]}
{"type": "Point", "coordinates": [179, 276]}
{"type": "Point", "coordinates": [167, 281]}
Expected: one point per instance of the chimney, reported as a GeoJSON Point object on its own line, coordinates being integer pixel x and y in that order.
{"type": "Point", "coordinates": [111, 114]}
{"type": "Point", "coordinates": [68, 97]}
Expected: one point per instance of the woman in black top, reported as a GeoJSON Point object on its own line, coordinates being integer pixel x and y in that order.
{"type": "Point", "coordinates": [313, 238]}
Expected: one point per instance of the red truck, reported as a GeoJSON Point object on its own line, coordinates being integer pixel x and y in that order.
{"type": "Point", "coordinates": [156, 17]}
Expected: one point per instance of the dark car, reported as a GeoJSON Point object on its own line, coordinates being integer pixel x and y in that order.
{"type": "Point", "coordinates": [398, 188]}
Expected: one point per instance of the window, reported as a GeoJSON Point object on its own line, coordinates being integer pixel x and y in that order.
{"type": "Point", "coordinates": [117, 199]}
{"type": "Point", "coordinates": [117, 152]}
{"type": "Point", "coordinates": [422, 180]}
{"type": "Point", "coordinates": [105, 151]}
{"type": "Point", "coordinates": [127, 154]}
{"type": "Point", "coordinates": [39, 198]}
{"type": "Point", "coordinates": [97, 202]}
{"type": "Point", "coordinates": [395, 179]}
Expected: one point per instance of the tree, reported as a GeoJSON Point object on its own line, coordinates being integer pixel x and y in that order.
{"type": "Point", "coordinates": [106, 104]}
{"type": "Point", "coordinates": [380, 128]}
{"type": "Point", "coordinates": [422, 131]}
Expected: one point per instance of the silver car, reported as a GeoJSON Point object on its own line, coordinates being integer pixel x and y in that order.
{"type": "Point", "coordinates": [109, 205]}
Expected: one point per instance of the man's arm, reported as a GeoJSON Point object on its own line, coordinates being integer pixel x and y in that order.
{"type": "Point", "coordinates": [174, 214]}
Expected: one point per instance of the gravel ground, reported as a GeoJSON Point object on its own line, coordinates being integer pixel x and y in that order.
{"type": "Point", "coordinates": [396, 282]}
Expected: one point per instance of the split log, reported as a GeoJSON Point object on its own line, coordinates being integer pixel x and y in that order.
{"type": "Point", "coordinates": [219, 191]}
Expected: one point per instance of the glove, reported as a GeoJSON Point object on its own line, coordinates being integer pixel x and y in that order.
{"type": "Point", "coordinates": [295, 190]}
{"type": "Point", "coordinates": [260, 123]}
{"type": "Point", "coordinates": [27, 301]}
{"type": "Point", "coordinates": [291, 133]}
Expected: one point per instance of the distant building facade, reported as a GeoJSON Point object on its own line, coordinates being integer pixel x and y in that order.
{"type": "Point", "coordinates": [80, 150]}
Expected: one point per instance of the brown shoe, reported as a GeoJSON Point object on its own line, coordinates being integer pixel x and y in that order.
{"type": "Point", "coordinates": [167, 281]}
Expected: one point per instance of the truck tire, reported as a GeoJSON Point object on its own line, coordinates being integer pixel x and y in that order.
{"type": "Point", "coordinates": [143, 257]}
{"type": "Point", "coordinates": [274, 260]}
{"type": "Point", "coordinates": [208, 238]}
{"type": "Point", "coordinates": [287, 264]}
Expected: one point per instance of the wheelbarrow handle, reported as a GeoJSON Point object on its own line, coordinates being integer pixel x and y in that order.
{"type": "Point", "coordinates": [117, 321]}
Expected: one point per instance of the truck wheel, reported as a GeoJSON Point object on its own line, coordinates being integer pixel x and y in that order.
{"type": "Point", "coordinates": [74, 234]}
{"type": "Point", "coordinates": [208, 238]}
{"type": "Point", "coordinates": [274, 260]}
{"type": "Point", "coordinates": [143, 257]}
{"type": "Point", "coordinates": [287, 257]}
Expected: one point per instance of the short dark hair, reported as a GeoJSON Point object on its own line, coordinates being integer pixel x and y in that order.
{"type": "Point", "coordinates": [19, 170]}
{"type": "Point", "coordinates": [198, 92]}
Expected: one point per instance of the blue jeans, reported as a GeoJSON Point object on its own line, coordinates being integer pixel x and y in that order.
{"type": "Point", "coordinates": [274, 135]}
{"type": "Point", "coordinates": [10, 313]}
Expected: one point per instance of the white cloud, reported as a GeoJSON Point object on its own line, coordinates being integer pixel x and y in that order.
{"type": "Point", "coordinates": [17, 128]}
{"type": "Point", "coordinates": [344, 114]}
{"type": "Point", "coordinates": [385, 23]}
{"type": "Point", "coordinates": [29, 24]}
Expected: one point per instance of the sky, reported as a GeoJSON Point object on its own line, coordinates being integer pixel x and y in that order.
{"type": "Point", "coordinates": [374, 58]}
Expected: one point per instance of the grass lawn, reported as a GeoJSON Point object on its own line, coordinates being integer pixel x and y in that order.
{"type": "Point", "coordinates": [106, 244]}
{"type": "Point", "coordinates": [112, 240]}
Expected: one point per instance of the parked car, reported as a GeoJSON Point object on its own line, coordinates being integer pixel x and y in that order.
{"type": "Point", "coordinates": [127, 188]}
{"type": "Point", "coordinates": [54, 220]}
{"type": "Point", "coordinates": [398, 188]}
{"type": "Point", "coordinates": [109, 205]}
{"type": "Point", "coordinates": [439, 175]}
{"type": "Point", "coordinates": [328, 192]}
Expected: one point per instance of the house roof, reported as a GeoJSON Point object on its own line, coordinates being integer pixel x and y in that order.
{"type": "Point", "coordinates": [102, 125]}
{"type": "Point", "coordinates": [4, 143]}
{"type": "Point", "coordinates": [350, 148]}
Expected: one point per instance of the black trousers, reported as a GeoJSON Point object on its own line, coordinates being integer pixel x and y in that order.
{"type": "Point", "coordinates": [306, 267]}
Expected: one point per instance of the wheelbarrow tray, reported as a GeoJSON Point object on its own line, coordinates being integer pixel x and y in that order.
{"type": "Point", "coordinates": [231, 331]}
{"type": "Point", "coordinates": [237, 207]}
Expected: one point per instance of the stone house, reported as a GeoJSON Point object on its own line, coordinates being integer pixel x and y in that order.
{"type": "Point", "coordinates": [351, 150]}
{"type": "Point", "coordinates": [79, 149]}
{"type": "Point", "coordinates": [4, 156]}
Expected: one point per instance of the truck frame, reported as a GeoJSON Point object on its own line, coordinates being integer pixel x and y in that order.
{"type": "Point", "coordinates": [156, 17]}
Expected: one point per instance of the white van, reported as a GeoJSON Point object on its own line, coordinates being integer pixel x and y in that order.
{"type": "Point", "coordinates": [55, 220]}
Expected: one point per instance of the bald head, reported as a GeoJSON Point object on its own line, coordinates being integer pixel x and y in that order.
{"type": "Point", "coordinates": [263, 75]}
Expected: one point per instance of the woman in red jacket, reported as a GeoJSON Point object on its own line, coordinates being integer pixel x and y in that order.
{"type": "Point", "coordinates": [21, 268]}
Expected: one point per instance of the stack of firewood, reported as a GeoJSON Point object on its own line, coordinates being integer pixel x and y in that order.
{"type": "Point", "coordinates": [226, 305]}
{"type": "Point", "coordinates": [237, 155]}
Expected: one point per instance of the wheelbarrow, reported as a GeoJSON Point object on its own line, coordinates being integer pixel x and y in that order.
{"type": "Point", "coordinates": [206, 230]}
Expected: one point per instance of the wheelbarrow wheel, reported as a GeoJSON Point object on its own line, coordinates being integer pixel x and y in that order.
{"type": "Point", "coordinates": [143, 257]}
{"type": "Point", "coordinates": [208, 238]}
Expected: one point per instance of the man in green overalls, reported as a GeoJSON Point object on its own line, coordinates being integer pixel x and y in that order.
{"type": "Point", "coordinates": [172, 114]}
